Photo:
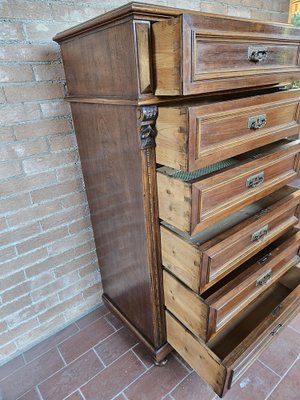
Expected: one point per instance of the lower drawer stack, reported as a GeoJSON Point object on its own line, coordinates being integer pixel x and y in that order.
{"type": "Point", "coordinates": [230, 254]}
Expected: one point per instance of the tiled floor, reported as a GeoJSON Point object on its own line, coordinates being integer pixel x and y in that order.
{"type": "Point", "coordinates": [96, 358]}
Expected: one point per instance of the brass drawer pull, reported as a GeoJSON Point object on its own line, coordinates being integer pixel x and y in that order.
{"type": "Point", "coordinates": [276, 310]}
{"type": "Point", "coordinates": [257, 122]}
{"type": "Point", "coordinates": [260, 233]}
{"type": "Point", "coordinates": [255, 180]}
{"type": "Point", "coordinates": [264, 278]}
{"type": "Point", "coordinates": [276, 330]}
{"type": "Point", "coordinates": [257, 54]}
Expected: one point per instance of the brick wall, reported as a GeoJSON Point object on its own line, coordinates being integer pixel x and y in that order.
{"type": "Point", "coordinates": [49, 271]}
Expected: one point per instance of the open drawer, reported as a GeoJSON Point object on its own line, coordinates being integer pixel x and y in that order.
{"type": "Point", "coordinates": [201, 260]}
{"type": "Point", "coordinates": [207, 314]}
{"type": "Point", "coordinates": [193, 201]}
{"type": "Point", "coordinates": [193, 135]}
{"type": "Point", "coordinates": [223, 360]}
{"type": "Point", "coordinates": [200, 53]}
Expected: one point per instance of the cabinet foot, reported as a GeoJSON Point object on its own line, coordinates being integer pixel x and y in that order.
{"type": "Point", "coordinates": [161, 363]}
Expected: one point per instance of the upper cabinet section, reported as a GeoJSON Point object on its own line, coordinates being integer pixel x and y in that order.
{"type": "Point", "coordinates": [198, 53]}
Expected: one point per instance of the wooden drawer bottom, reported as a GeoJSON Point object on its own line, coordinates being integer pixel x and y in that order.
{"type": "Point", "coordinates": [221, 361]}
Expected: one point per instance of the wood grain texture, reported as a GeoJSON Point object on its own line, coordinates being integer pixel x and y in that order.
{"type": "Point", "coordinates": [203, 260]}
{"type": "Point", "coordinates": [193, 136]}
{"type": "Point", "coordinates": [114, 177]}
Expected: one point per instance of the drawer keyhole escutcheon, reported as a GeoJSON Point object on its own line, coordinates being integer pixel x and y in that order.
{"type": "Point", "coordinates": [257, 121]}
{"type": "Point", "coordinates": [257, 54]}
{"type": "Point", "coordinates": [276, 330]}
{"type": "Point", "coordinates": [260, 233]}
{"type": "Point", "coordinates": [255, 180]}
{"type": "Point", "coordinates": [264, 278]}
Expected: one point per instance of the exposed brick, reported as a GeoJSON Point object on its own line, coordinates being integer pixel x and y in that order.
{"type": "Point", "coordinates": [95, 290]}
{"type": "Point", "coordinates": [250, 3]}
{"type": "Point", "coordinates": [6, 134]}
{"type": "Point", "coordinates": [3, 224]}
{"type": "Point", "coordinates": [261, 15]}
{"type": "Point", "coordinates": [41, 240]}
{"type": "Point", "coordinates": [21, 150]}
{"type": "Point", "coordinates": [19, 234]}
{"type": "Point", "coordinates": [67, 13]}
{"type": "Point", "coordinates": [41, 163]}
{"type": "Point", "coordinates": [69, 242]}
{"type": "Point", "coordinates": [65, 173]}
{"type": "Point", "coordinates": [22, 262]}
{"type": "Point", "coordinates": [7, 254]}
{"type": "Point", "coordinates": [42, 128]}
{"type": "Point", "coordinates": [49, 72]}
{"type": "Point", "coordinates": [12, 280]}
{"type": "Point", "coordinates": [26, 183]}
{"type": "Point", "coordinates": [55, 109]}
{"type": "Point", "coordinates": [2, 96]}
{"type": "Point", "coordinates": [3, 328]}
{"type": "Point", "coordinates": [11, 31]}
{"type": "Point", "coordinates": [211, 8]}
{"type": "Point", "coordinates": [41, 280]}
{"type": "Point", "coordinates": [64, 217]}
{"type": "Point", "coordinates": [44, 30]}
{"type": "Point", "coordinates": [18, 291]}
{"type": "Point", "coordinates": [62, 142]}
{"type": "Point", "coordinates": [17, 113]}
{"type": "Point", "coordinates": [80, 225]}
{"type": "Point", "coordinates": [74, 264]}
{"type": "Point", "coordinates": [60, 308]}
{"type": "Point", "coordinates": [16, 73]}
{"type": "Point", "coordinates": [74, 198]}
{"type": "Point", "coordinates": [29, 52]}
{"type": "Point", "coordinates": [9, 169]}
{"type": "Point", "coordinates": [34, 212]}
{"type": "Point", "coordinates": [7, 350]}
{"type": "Point", "coordinates": [14, 306]}
{"type": "Point", "coordinates": [39, 91]}
{"type": "Point", "coordinates": [239, 12]}
{"type": "Point", "coordinates": [56, 190]}
{"type": "Point", "coordinates": [89, 269]}
{"type": "Point", "coordinates": [13, 203]}
{"type": "Point", "coordinates": [27, 10]}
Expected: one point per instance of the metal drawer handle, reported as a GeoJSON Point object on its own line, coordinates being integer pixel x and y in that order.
{"type": "Point", "coordinates": [264, 259]}
{"type": "Point", "coordinates": [257, 54]}
{"type": "Point", "coordinates": [257, 121]}
{"type": "Point", "coordinates": [260, 233]}
{"type": "Point", "coordinates": [255, 180]}
{"type": "Point", "coordinates": [276, 330]}
{"type": "Point", "coordinates": [264, 278]}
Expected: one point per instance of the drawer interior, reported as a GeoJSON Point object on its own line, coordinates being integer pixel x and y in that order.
{"type": "Point", "coordinates": [228, 339]}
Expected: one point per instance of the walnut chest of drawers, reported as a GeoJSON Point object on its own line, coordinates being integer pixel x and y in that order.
{"type": "Point", "coordinates": [187, 132]}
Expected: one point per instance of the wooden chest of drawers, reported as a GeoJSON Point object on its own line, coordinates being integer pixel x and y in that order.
{"type": "Point", "coordinates": [187, 131]}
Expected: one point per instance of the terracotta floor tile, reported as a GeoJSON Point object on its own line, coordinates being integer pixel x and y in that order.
{"type": "Point", "coordinates": [115, 346]}
{"type": "Point", "coordinates": [64, 382]}
{"type": "Point", "coordinates": [193, 388]}
{"type": "Point", "coordinates": [296, 323]}
{"type": "Point", "coordinates": [83, 340]}
{"type": "Point", "coordinates": [11, 366]}
{"type": "Point", "coordinates": [116, 323]}
{"type": "Point", "coordinates": [187, 366]}
{"type": "Point", "coordinates": [31, 374]}
{"type": "Point", "coordinates": [75, 396]}
{"type": "Point", "coordinates": [92, 317]}
{"type": "Point", "coordinates": [51, 342]}
{"type": "Point", "coordinates": [157, 381]}
{"type": "Point", "coordinates": [143, 354]}
{"type": "Point", "coordinates": [31, 395]}
{"type": "Point", "coordinates": [289, 387]}
{"type": "Point", "coordinates": [256, 383]}
{"type": "Point", "coordinates": [114, 378]}
{"type": "Point", "coordinates": [120, 397]}
{"type": "Point", "coordinates": [284, 350]}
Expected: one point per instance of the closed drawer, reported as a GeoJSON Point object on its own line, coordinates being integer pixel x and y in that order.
{"type": "Point", "coordinates": [193, 201]}
{"type": "Point", "coordinates": [205, 53]}
{"type": "Point", "coordinates": [202, 260]}
{"type": "Point", "coordinates": [205, 315]}
{"type": "Point", "coordinates": [193, 136]}
{"type": "Point", "coordinates": [221, 361]}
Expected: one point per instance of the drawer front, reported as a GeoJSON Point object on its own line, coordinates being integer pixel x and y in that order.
{"type": "Point", "coordinates": [229, 300]}
{"type": "Point", "coordinates": [206, 53]}
{"type": "Point", "coordinates": [192, 137]}
{"type": "Point", "coordinates": [201, 266]}
{"type": "Point", "coordinates": [220, 370]}
{"type": "Point", "coordinates": [191, 207]}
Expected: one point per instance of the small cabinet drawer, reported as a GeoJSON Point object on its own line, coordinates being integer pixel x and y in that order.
{"type": "Point", "coordinates": [205, 315]}
{"type": "Point", "coordinates": [193, 201]}
{"type": "Point", "coordinates": [193, 136]}
{"type": "Point", "coordinates": [202, 260]}
{"type": "Point", "coordinates": [199, 53]}
{"type": "Point", "coordinates": [222, 360]}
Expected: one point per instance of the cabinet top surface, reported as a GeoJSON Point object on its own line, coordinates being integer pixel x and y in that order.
{"type": "Point", "coordinates": [136, 10]}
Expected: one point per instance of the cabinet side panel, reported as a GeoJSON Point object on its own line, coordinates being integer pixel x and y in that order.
{"type": "Point", "coordinates": [102, 63]}
{"type": "Point", "coordinates": [111, 163]}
